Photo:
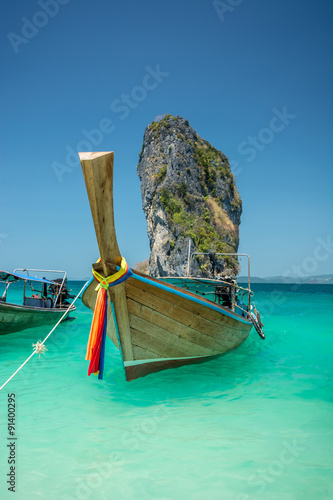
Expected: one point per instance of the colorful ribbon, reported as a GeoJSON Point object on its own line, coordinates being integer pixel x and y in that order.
{"type": "Point", "coordinates": [96, 342]}
{"type": "Point", "coordinates": [123, 273]}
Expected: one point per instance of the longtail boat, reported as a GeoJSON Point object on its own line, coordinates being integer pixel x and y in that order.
{"type": "Point", "coordinates": [43, 301]}
{"type": "Point", "coordinates": [159, 323]}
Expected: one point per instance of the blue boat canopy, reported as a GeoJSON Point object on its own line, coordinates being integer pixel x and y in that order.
{"type": "Point", "coordinates": [11, 277]}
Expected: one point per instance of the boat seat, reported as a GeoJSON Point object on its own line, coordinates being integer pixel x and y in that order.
{"type": "Point", "coordinates": [33, 302]}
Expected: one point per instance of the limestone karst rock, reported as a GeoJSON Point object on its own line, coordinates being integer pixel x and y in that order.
{"type": "Point", "coordinates": [188, 192]}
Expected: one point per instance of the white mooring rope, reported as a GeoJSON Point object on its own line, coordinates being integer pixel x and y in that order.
{"type": "Point", "coordinates": [39, 346]}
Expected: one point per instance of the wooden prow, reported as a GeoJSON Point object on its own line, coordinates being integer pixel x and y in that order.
{"type": "Point", "coordinates": [98, 175]}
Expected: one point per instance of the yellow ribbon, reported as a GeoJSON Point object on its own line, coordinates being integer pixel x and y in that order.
{"type": "Point", "coordinates": [104, 282]}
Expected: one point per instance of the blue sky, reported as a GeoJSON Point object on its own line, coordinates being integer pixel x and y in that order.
{"type": "Point", "coordinates": [253, 77]}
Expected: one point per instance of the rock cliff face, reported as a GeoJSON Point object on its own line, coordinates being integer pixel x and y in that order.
{"type": "Point", "coordinates": [188, 193]}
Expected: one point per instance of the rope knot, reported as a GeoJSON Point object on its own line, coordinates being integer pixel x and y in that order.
{"type": "Point", "coordinates": [102, 284]}
{"type": "Point", "coordinates": [116, 278]}
{"type": "Point", "coordinates": [39, 348]}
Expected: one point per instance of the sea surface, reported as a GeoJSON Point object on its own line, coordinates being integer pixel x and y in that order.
{"type": "Point", "coordinates": [256, 424]}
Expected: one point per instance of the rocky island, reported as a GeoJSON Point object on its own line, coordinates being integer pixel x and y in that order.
{"type": "Point", "coordinates": [188, 193]}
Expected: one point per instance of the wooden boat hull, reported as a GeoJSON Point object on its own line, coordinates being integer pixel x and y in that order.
{"type": "Point", "coordinates": [14, 318]}
{"type": "Point", "coordinates": [169, 327]}
{"type": "Point", "coordinates": [137, 370]}
{"type": "Point", "coordinates": [154, 324]}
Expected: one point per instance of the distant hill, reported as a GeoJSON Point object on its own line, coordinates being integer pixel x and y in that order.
{"type": "Point", "coordinates": [323, 279]}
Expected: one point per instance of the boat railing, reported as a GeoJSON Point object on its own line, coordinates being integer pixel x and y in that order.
{"type": "Point", "coordinates": [59, 287]}
{"type": "Point", "coordinates": [191, 255]}
{"type": "Point", "coordinates": [213, 281]}
{"type": "Point", "coordinates": [221, 288]}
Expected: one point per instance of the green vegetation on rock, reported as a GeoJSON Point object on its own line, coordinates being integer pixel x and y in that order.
{"type": "Point", "coordinates": [197, 226]}
{"type": "Point", "coordinates": [161, 174]}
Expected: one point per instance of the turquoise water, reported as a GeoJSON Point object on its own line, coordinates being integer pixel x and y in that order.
{"type": "Point", "coordinates": [255, 424]}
